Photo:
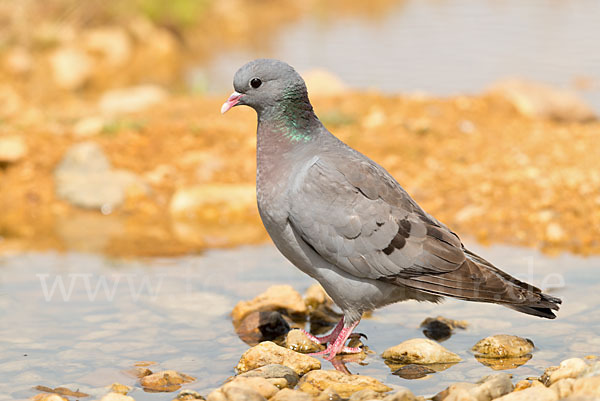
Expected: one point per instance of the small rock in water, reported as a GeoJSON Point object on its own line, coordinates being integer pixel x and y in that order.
{"type": "Point", "coordinates": [503, 346]}
{"type": "Point", "coordinates": [298, 341]}
{"type": "Point", "coordinates": [144, 363]}
{"type": "Point", "coordinates": [262, 326]}
{"type": "Point", "coordinates": [274, 371]}
{"type": "Point", "coordinates": [569, 368]}
{"type": "Point", "coordinates": [523, 384]}
{"type": "Point", "coordinates": [345, 385]}
{"type": "Point", "coordinates": [61, 391]}
{"type": "Point", "coordinates": [138, 372]}
{"type": "Point", "coordinates": [267, 353]}
{"type": "Point", "coordinates": [258, 384]}
{"type": "Point", "coordinates": [537, 393]}
{"type": "Point", "coordinates": [116, 397]}
{"type": "Point", "coordinates": [48, 397]}
{"type": "Point", "coordinates": [120, 388]}
{"type": "Point", "coordinates": [291, 395]}
{"type": "Point", "coordinates": [587, 386]}
{"type": "Point", "coordinates": [12, 149]}
{"type": "Point", "coordinates": [277, 297]}
{"type": "Point", "coordinates": [366, 395]}
{"type": "Point", "coordinates": [165, 381]}
{"type": "Point", "coordinates": [440, 328]}
{"type": "Point", "coordinates": [420, 351]}
{"type": "Point", "coordinates": [488, 388]}
{"type": "Point", "coordinates": [188, 395]}
{"type": "Point", "coordinates": [236, 391]}
{"type": "Point", "coordinates": [413, 371]}
{"type": "Point", "coordinates": [403, 394]}
{"type": "Point", "coordinates": [329, 394]}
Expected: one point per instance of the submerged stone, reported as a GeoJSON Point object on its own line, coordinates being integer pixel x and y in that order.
{"type": "Point", "coordinates": [503, 346]}
{"type": "Point", "coordinates": [420, 351]}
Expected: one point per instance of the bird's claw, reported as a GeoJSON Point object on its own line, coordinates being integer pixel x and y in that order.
{"type": "Point", "coordinates": [358, 336]}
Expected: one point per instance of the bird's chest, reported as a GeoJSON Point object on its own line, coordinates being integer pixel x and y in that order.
{"type": "Point", "coordinates": [272, 199]}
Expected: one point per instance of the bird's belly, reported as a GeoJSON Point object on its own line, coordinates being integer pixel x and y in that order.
{"type": "Point", "coordinates": [353, 295]}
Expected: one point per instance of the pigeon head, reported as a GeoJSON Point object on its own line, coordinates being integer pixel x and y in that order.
{"type": "Point", "coordinates": [266, 85]}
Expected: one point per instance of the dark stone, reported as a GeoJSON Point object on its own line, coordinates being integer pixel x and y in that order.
{"type": "Point", "coordinates": [412, 371]}
{"type": "Point", "coordinates": [262, 326]}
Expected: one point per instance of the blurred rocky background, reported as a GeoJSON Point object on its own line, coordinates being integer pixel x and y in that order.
{"type": "Point", "coordinates": [111, 139]}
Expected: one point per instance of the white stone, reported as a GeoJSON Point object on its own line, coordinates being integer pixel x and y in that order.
{"type": "Point", "coordinates": [71, 67]}
{"type": "Point", "coordinates": [132, 99]}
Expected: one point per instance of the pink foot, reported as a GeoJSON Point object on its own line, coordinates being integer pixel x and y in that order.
{"type": "Point", "coordinates": [325, 339]}
{"type": "Point", "coordinates": [338, 346]}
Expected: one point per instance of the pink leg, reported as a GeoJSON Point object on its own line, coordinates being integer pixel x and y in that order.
{"type": "Point", "coordinates": [325, 339]}
{"type": "Point", "coordinates": [338, 346]}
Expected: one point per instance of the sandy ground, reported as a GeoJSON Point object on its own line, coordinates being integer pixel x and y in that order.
{"type": "Point", "coordinates": [473, 162]}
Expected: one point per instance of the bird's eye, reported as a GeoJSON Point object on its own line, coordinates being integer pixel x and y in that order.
{"type": "Point", "coordinates": [255, 82]}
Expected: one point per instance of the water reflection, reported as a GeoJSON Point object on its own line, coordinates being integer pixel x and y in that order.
{"type": "Point", "coordinates": [83, 320]}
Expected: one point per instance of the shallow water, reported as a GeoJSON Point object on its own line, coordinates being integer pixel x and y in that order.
{"type": "Point", "coordinates": [441, 47]}
{"type": "Point", "coordinates": [175, 311]}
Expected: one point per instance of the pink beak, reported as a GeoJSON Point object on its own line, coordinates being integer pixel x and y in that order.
{"type": "Point", "coordinates": [232, 101]}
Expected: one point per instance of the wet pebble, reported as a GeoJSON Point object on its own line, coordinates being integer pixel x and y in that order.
{"type": "Point", "coordinates": [440, 328]}
{"type": "Point", "coordinates": [188, 395]}
{"type": "Point", "coordinates": [62, 391]}
{"type": "Point", "coordinates": [259, 384]}
{"type": "Point", "coordinates": [138, 372]}
{"type": "Point", "coordinates": [112, 396]}
{"type": "Point", "coordinates": [267, 353]}
{"type": "Point", "coordinates": [291, 395]}
{"type": "Point", "coordinates": [345, 385]}
{"type": "Point", "coordinates": [369, 395]}
{"type": "Point", "coordinates": [569, 368]}
{"type": "Point", "coordinates": [329, 394]}
{"type": "Point", "coordinates": [503, 346]}
{"type": "Point", "coordinates": [276, 297]}
{"type": "Point", "coordinates": [48, 397]}
{"type": "Point", "coordinates": [420, 351]}
{"type": "Point", "coordinates": [275, 371]}
{"type": "Point", "coordinates": [297, 340]}
{"type": "Point", "coordinates": [413, 371]}
{"type": "Point", "coordinates": [537, 393]}
{"type": "Point", "coordinates": [120, 388]}
{"type": "Point", "coordinates": [165, 381]}
{"type": "Point", "coordinates": [262, 326]}
{"type": "Point", "coordinates": [235, 392]}
{"type": "Point", "coordinates": [587, 386]}
{"type": "Point", "coordinates": [488, 388]}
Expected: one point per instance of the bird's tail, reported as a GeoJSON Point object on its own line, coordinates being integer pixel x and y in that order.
{"type": "Point", "coordinates": [478, 280]}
